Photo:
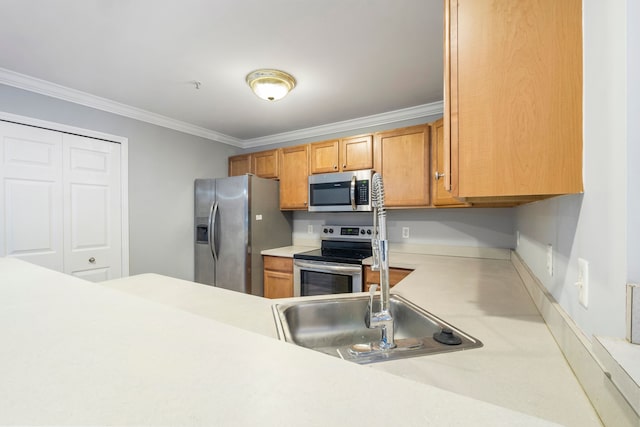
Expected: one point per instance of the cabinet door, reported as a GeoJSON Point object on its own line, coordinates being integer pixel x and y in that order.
{"type": "Point", "coordinates": [294, 177]}
{"type": "Point", "coordinates": [278, 277]}
{"type": "Point", "coordinates": [513, 97]}
{"type": "Point", "coordinates": [324, 156]}
{"type": "Point", "coordinates": [278, 284]}
{"type": "Point", "coordinates": [265, 164]}
{"type": "Point", "coordinates": [356, 153]}
{"type": "Point", "coordinates": [402, 157]}
{"type": "Point", "coordinates": [373, 277]}
{"type": "Point", "coordinates": [439, 195]}
{"type": "Point", "coordinates": [240, 165]}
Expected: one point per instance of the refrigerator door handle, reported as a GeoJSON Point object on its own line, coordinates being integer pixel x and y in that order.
{"type": "Point", "coordinates": [213, 212]}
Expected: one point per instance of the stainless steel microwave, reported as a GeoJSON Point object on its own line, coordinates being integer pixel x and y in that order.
{"type": "Point", "coordinates": [340, 192]}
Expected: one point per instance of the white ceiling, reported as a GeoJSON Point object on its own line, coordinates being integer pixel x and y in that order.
{"type": "Point", "coordinates": [351, 58]}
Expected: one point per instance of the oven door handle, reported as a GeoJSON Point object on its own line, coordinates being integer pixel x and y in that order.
{"type": "Point", "coordinates": [330, 268]}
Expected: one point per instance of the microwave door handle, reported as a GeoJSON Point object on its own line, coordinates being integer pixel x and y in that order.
{"type": "Point", "coordinates": [353, 192]}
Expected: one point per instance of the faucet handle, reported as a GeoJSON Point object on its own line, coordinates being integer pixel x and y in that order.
{"type": "Point", "coordinates": [369, 313]}
{"type": "Point", "coordinates": [372, 292]}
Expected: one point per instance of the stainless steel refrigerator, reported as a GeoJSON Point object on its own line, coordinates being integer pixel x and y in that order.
{"type": "Point", "coordinates": [235, 219]}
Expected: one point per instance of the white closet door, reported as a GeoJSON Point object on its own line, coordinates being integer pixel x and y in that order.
{"type": "Point", "coordinates": [31, 195]}
{"type": "Point", "coordinates": [92, 217]}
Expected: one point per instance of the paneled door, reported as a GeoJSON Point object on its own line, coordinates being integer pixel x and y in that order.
{"type": "Point", "coordinates": [91, 182]}
{"type": "Point", "coordinates": [60, 201]}
{"type": "Point", "coordinates": [31, 195]}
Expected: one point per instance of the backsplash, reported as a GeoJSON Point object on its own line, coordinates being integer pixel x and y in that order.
{"type": "Point", "coordinates": [475, 227]}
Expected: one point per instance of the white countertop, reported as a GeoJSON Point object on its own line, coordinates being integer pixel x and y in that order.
{"type": "Point", "coordinates": [520, 366]}
{"type": "Point", "coordinates": [82, 353]}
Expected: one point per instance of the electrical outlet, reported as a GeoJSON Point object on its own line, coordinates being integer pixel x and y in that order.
{"type": "Point", "coordinates": [517, 238]}
{"type": "Point", "coordinates": [405, 232]}
{"type": "Point", "coordinates": [550, 259]}
{"type": "Point", "coordinates": [310, 229]}
{"type": "Point", "coordinates": [583, 282]}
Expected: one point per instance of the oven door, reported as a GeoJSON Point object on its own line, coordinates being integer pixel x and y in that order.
{"type": "Point", "coordinates": [324, 278]}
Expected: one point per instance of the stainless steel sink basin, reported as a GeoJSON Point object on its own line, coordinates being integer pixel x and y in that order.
{"type": "Point", "coordinates": [336, 327]}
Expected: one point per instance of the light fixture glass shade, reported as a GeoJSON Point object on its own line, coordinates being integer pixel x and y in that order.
{"type": "Point", "coordinates": [270, 85]}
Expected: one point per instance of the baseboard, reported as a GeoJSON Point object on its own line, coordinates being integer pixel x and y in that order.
{"type": "Point", "coordinates": [608, 401]}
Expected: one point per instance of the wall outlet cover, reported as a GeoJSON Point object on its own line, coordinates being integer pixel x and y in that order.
{"type": "Point", "coordinates": [583, 282]}
{"type": "Point", "coordinates": [405, 232]}
{"type": "Point", "coordinates": [550, 259]}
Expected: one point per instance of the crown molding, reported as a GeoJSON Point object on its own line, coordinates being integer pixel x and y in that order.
{"type": "Point", "coordinates": [416, 112]}
{"type": "Point", "coordinates": [43, 87]}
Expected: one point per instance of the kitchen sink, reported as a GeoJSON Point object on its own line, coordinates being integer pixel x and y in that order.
{"type": "Point", "coordinates": [335, 326]}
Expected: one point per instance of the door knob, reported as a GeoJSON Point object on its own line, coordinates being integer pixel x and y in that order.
{"type": "Point", "coordinates": [92, 260]}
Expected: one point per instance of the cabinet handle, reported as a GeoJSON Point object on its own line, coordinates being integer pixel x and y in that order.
{"type": "Point", "coordinates": [344, 166]}
{"type": "Point", "coordinates": [335, 167]}
{"type": "Point", "coordinates": [92, 260]}
{"type": "Point", "coordinates": [438, 175]}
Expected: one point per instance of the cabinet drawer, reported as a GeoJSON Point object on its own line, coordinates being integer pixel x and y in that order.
{"type": "Point", "coordinates": [276, 263]}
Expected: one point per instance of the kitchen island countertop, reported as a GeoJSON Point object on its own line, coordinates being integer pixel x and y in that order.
{"type": "Point", "coordinates": [82, 353]}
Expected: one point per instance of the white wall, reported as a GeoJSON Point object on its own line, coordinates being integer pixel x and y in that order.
{"type": "Point", "coordinates": [592, 226]}
{"type": "Point", "coordinates": [162, 166]}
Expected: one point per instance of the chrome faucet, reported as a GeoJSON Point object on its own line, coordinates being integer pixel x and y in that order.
{"type": "Point", "coordinates": [381, 319]}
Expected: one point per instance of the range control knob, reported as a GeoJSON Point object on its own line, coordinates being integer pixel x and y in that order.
{"type": "Point", "coordinates": [362, 231]}
{"type": "Point", "coordinates": [325, 231]}
{"type": "Point", "coordinates": [331, 231]}
{"type": "Point", "coordinates": [368, 231]}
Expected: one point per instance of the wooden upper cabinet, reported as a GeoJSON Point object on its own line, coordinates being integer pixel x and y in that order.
{"type": "Point", "coordinates": [265, 164]}
{"type": "Point", "coordinates": [346, 154]}
{"type": "Point", "coordinates": [356, 153]}
{"type": "Point", "coordinates": [402, 157]}
{"type": "Point", "coordinates": [513, 98]}
{"type": "Point", "coordinates": [439, 195]}
{"type": "Point", "coordinates": [240, 165]}
{"type": "Point", "coordinates": [324, 156]}
{"type": "Point", "coordinates": [294, 173]}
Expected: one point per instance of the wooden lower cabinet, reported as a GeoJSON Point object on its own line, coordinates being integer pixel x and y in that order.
{"type": "Point", "coordinates": [373, 277]}
{"type": "Point", "coordinates": [278, 277]}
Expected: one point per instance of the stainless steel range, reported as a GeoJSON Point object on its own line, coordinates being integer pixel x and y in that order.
{"type": "Point", "coordinates": [337, 266]}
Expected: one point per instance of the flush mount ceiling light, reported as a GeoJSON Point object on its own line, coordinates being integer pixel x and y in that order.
{"type": "Point", "coordinates": [270, 85]}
